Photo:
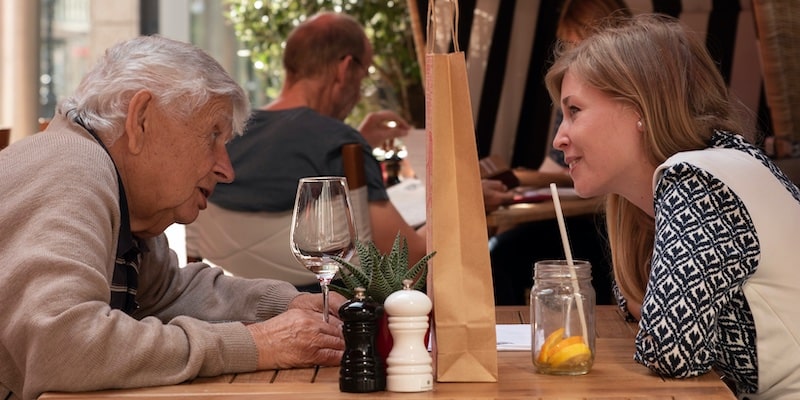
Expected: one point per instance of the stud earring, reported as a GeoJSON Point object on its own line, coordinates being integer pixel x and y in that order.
{"type": "Point", "coordinates": [639, 125]}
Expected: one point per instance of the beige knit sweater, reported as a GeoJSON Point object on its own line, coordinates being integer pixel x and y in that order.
{"type": "Point", "coordinates": [59, 220]}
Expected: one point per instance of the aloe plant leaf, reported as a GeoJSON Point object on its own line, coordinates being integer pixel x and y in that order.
{"type": "Point", "coordinates": [351, 275]}
{"type": "Point", "coordinates": [347, 293]}
{"type": "Point", "coordinates": [377, 285]}
{"type": "Point", "coordinates": [398, 262]}
{"type": "Point", "coordinates": [399, 253]}
{"type": "Point", "coordinates": [419, 271]}
{"type": "Point", "coordinates": [350, 280]}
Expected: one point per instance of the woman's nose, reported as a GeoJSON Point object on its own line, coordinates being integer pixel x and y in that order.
{"type": "Point", "coordinates": [560, 141]}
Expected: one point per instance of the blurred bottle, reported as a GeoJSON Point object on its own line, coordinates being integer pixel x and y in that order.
{"type": "Point", "coordinates": [391, 156]}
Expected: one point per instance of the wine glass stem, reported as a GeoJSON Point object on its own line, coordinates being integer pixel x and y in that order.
{"type": "Point", "coordinates": [324, 285]}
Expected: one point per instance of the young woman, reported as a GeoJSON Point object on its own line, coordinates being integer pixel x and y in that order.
{"type": "Point", "coordinates": [701, 224]}
{"type": "Point", "coordinates": [511, 252]}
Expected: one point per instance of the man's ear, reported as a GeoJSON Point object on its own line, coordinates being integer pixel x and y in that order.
{"type": "Point", "coordinates": [342, 69]}
{"type": "Point", "coordinates": [136, 120]}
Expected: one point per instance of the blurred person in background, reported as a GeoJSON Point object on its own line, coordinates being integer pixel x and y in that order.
{"type": "Point", "coordinates": [301, 134]}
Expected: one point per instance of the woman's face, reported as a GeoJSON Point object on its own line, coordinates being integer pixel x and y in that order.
{"type": "Point", "coordinates": [179, 166]}
{"type": "Point", "coordinates": [601, 140]}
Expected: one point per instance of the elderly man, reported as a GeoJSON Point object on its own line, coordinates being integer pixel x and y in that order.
{"type": "Point", "coordinates": [92, 297]}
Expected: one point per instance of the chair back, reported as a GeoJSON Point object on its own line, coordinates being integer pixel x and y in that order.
{"type": "Point", "coordinates": [777, 34]}
{"type": "Point", "coordinates": [246, 244]}
{"type": "Point", "coordinates": [353, 163]}
{"type": "Point", "coordinates": [5, 138]}
{"type": "Point", "coordinates": [256, 244]}
{"type": "Point", "coordinates": [780, 57]}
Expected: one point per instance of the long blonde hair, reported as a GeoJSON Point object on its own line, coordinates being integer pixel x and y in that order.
{"type": "Point", "coordinates": [653, 64]}
{"type": "Point", "coordinates": [577, 17]}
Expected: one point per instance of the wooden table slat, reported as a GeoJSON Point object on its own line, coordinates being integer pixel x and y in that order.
{"type": "Point", "coordinates": [267, 376]}
{"type": "Point", "coordinates": [327, 375]}
{"type": "Point", "coordinates": [226, 378]}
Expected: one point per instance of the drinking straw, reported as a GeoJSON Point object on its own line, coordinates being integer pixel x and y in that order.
{"type": "Point", "coordinates": [568, 252]}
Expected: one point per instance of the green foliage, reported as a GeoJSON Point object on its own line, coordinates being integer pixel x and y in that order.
{"type": "Point", "coordinates": [263, 26]}
{"type": "Point", "coordinates": [381, 275]}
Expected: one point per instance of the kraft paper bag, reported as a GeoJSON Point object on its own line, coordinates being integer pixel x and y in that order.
{"type": "Point", "coordinates": [459, 277]}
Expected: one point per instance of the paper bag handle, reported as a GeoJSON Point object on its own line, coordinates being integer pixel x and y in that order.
{"type": "Point", "coordinates": [430, 45]}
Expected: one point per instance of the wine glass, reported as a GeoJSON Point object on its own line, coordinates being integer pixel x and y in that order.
{"type": "Point", "coordinates": [322, 227]}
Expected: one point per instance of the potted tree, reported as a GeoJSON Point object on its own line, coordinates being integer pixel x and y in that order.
{"type": "Point", "coordinates": [396, 79]}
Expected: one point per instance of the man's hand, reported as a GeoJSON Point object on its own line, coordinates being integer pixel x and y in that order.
{"type": "Point", "coordinates": [298, 338]}
{"type": "Point", "coordinates": [495, 194]}
{"type": "Point", "coordinates": [313, 302]}
{"type": "Point", "coordinates": [380, 127]}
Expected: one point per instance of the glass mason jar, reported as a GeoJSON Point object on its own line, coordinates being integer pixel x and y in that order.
{"type": "Point", "coordinates": [562, 318]}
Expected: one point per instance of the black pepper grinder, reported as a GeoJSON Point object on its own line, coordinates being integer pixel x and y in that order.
{"type": "Point", "coordinates": [361, 370]}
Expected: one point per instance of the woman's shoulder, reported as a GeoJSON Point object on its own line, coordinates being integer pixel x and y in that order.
{"type": "Point", "coordinates": [731, 159]}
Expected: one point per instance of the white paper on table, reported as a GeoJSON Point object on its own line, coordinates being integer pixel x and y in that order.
{"type": "Point", "coordinates": [513, 337]}
{"type": "Point", "coordinates": [416, 143]}
{"type": "Point", "coordinates": [408, 197]}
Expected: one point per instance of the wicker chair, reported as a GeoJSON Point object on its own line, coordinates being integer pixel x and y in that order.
{"type": "Point", "coordinates": [779, 38]}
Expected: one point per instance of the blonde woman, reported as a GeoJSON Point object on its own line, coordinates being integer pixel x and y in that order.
{"type": "Point", "coordinates": [702, 225]}
{"type": "Point", "coordinates": [510, 251]}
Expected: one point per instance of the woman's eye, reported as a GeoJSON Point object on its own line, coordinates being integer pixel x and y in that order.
{"type": "Point", "coordinates": [572, 110]}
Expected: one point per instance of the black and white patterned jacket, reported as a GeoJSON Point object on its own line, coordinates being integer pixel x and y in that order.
{"type": "Point", "coordinates": [723, 290]}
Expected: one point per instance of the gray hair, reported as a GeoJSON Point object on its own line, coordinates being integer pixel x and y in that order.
{"type": "Point", "coordinates": [181, 76]}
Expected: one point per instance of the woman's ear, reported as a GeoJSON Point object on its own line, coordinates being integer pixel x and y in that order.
{"type": "Point", "coordinates": [639, 121]}
{"type": "Point", "coordinates": [135, 123]}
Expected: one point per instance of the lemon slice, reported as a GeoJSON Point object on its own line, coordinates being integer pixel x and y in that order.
{"type": "Point", "coordinates": [558, 346]}
{"type": "Point", "coordinates": [552, 339]}
{"type": "Point", "coordinates": [571, 355]}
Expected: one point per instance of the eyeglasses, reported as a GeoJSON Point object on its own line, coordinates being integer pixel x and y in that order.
{"type": "Point", "coordinates": [367, 85]}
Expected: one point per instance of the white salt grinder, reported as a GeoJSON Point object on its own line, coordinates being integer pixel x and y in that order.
{"type": "Point", "coordinates": [409, 366]}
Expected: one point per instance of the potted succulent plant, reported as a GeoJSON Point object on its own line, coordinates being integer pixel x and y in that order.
{"type": "Point", "coordinates": [381, 275]}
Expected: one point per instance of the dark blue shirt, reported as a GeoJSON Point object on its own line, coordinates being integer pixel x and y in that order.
{"type": "Point", "coordinates": [280, 147]}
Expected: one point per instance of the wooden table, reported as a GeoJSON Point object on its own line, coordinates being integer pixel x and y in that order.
{"type": "Point", "coordinates": [526, 212]}
{"type": "Point", "coordinates": [614, 376]}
